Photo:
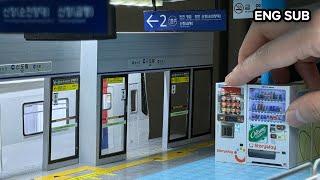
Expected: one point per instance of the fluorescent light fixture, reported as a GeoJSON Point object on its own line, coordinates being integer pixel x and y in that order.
{"type": "Point", "coordinates": [140, 3]}
{"type": "Point", "coordinates": [21, 81]}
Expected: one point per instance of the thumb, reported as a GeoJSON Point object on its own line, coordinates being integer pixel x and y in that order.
{"type": "Point", "coordinates": [305, 109]}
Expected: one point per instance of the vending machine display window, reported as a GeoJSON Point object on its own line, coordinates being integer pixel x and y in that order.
{"type": "Point", "coordinates": [267, 104]}
{"type": "Point", "coordinates": [231, 108]}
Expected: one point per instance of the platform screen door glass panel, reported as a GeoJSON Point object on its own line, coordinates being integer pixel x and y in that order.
{"type": "Point", "coordinates": [113, 116]}
{"type": "Point", "coordinates": [179, 105]}
{"type": "Point", "coordinates": [202, 98]}
{"type": "Point", "coordinates": [64, 126]}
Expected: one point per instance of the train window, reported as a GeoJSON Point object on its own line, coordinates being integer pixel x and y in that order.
{"type": "Point", "coordinates": [133, 101]}
{"type": "Point", "coordinates": [107, 101]}
{"type": "Point", "coordinates": [33, 116]}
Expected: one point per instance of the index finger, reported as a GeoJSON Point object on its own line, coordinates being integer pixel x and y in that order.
{"type": "Point", "coordinates": [258, 35]}
{"type": "Point", "coordinates": [281, 52]}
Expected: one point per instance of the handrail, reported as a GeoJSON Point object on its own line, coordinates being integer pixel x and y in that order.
{"type": "Point", "coordinates": [292, 171]}
{"type": "Point", "coordinates": [315, 177]}
{"type": "Point", "coordinates": [63, 119]}
{"type": "Point", "coordinates": [315, 167]}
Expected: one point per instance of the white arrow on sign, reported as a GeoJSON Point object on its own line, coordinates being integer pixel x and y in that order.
{"type": "Point", "coordinates": [149, 21]}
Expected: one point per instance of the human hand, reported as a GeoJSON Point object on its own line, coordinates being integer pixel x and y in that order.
{"type": "Point", "coordinates": [274, 47]}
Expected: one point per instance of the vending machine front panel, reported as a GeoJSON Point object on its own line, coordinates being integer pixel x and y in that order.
{"type": "Point", "coordinates": [230, 124]}
{"type": "Point", "coordinates": [267, 131]}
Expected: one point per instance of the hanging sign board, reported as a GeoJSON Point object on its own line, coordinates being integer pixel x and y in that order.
{"type": "Point", "coordinates": [274, 4]}
{"type": "Point", "coordinates": [53, 16]}
{"type": "Point", "coordinates": [185, 21]}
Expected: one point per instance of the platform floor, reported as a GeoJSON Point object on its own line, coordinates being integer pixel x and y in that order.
{"type": "Point", "coordinates": [190, 162]}
{"type": "Point", "coordinates": [153, 146]}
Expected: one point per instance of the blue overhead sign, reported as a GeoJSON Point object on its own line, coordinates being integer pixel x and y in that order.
{"type": "Point", "coordinates": [53, 16]}
{"type": "Point", "coordinates": [274, 4]}
{"type": "Point", "coordinates": [184, 21]}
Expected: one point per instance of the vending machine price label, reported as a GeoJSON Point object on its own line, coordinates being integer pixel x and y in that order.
{"type": "Point", "coordinates": [24, 68]}
{"type": "Point", "coordinates": [53, 16]}
{"type": "Point", "coordinates": [184, 21]}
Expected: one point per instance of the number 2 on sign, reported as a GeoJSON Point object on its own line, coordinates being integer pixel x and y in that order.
{"type": "Point", "coordinates": [164, 20]}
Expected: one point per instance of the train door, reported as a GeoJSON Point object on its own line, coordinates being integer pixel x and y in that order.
{"type": "Point", "coordinates": [179, 99]}
{"type": "Point", "coordinates": [201, 121]}
{"type": "Point", "coordinates": [61, 136]}
{"type": "Point", "coordinates": [21, 123]}
{"type": "Point", "coordinates": [113, 118]}
{"type": "Point", "coordinates": [139, 142]}
{"type": "Point", "coordinates": [134, 112]}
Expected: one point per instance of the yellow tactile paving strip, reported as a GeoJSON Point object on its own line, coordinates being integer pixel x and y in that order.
{"type": "Point", "coordinates": [93, 173]}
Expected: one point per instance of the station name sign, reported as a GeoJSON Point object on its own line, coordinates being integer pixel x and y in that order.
{"type": "Point", "coordinates": [53, 16]}
{"type": "Point", "coordinates": [185, 21]}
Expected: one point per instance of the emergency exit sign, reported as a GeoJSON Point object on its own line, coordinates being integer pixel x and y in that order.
{"type": "Point", "coordinates": [53, 16]}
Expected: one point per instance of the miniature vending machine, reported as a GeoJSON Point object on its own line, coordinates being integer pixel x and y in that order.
{"type": "Point", "coordinates": [230, 124]}
{"type": "Point", "coordinates": [251, 127]}
{"type": "Point", "coordinates": [270, 140]}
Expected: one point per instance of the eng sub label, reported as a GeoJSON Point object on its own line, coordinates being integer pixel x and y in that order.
{"type": "Point", "coordinates": [293, 15]}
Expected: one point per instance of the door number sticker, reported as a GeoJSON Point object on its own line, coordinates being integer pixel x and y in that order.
{"type": "Point", "coordinates": [24, 68]}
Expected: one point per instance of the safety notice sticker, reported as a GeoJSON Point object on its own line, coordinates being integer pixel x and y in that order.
{"type": "Point", "coordinates": [65, 84]}
{"type": "Point", "coordinates": [243, 9]}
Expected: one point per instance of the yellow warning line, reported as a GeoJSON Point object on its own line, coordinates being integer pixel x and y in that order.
{"type": "Point", "coordinates": [96, 172]}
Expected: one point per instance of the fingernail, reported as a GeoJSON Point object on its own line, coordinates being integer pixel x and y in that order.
{"type": "Point", "coordinates": [227, 79]}
{"type": "Point", "coordinates": [294, 118]}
